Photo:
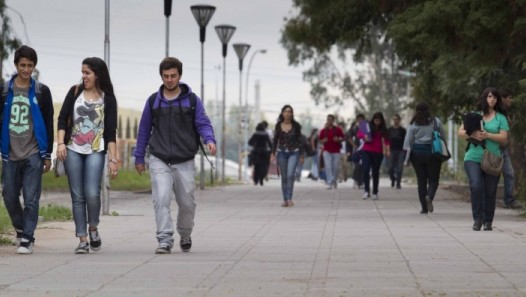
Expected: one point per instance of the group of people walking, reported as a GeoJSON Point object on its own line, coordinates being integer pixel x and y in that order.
{"type": "Point", "coordinates": [371, 141]}
{"type": "Point", "coordinates": [172, 123]}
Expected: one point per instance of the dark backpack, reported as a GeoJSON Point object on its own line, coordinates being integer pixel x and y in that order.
{"type": "Point", "coordinates": [193, 102]}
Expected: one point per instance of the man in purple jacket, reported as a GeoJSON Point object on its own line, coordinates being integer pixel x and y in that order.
{"type": "Point", "coordinates": [168, 126]}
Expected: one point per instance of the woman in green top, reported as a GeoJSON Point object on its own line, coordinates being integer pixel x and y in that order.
{"type": "Point", "coordinates": [483, 187]}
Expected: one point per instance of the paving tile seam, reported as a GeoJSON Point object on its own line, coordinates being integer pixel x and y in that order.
{"type": "Point", "coordinates": [515, 287]}
{"type": "Point", "coordinates": [408, 265]}
{"type": "Point", "coordinates": [122, 275]}
{"type": "Point", "coordinates": [221, 271]}
{"type": "Point", "coordinates": [320, 267]}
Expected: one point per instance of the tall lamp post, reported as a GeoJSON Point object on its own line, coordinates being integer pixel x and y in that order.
{"type": "Point", "coordinates": [167, 13]}
{"type": "Point", "coordinates": [241, 51]}
{"type": "Point", "coordinates": [202, 14]}
{"type": "Point", "coordinates": [245, 132]}
{"type": "Point", "coordinates": [224, 32]}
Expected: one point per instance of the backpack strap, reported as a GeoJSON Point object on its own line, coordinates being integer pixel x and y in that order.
{"type": "Point", "coordinates": [193, 103]}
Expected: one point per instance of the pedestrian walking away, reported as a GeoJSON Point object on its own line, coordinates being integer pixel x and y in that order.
{"type": "Point", "coordinates": [288, 150]}
{"type": "Point", "coordinates": [172, 122]}
{"type": "Point", "coordinates": [26, 127]}
{"type": "Point", "coordinates": [510, 200]}
{"type": "Point", "coordinates": [492, 134]}
{"type": "Point", "coordinates": [374, 148]}
{"type": "Point", "coordinates": [417, 145]}
{"type": "Point", "coordinates": [396, 160]}
{"type": "Point", "coordinates": [331, 137]}
{"type": "Point", "coordinates": [87, 130]}
{"type": "Point", "coordinates": [313, 152]}
{"type": "Point", "coordinates": [356, 158]}
{"type": "Point", "coordinates": [259, 156]}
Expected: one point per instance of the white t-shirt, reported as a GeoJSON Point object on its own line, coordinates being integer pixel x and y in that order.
{"type": "Point", "coordinates": [88, 126]}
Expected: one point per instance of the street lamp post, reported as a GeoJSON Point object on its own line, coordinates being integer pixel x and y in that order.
{"type": "Point", "coordinates": [241, 51]}
{"type": "Point", "coordinates": [245, 132]}
{"type": "Point", "coordinates": [167, 13]}
{"type": "Point", "coordinates": [224, 32]}
{"type": "Point", "coordinates": [202, 14]}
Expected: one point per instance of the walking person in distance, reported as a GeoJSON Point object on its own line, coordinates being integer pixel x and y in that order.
{"type": "Point", "coordinates": [288, 150]}
{"type": "Point", "coordinates": [417, 144]}
{"type": "Point", "coordinates": [494, 133]}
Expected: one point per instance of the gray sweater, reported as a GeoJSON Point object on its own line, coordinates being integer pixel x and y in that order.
{"type": "Point", "coordinates": [421, 134]}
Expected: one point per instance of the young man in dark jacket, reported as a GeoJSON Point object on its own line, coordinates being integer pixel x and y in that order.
{"type": "Point", "coordinates": [26, 127]}
{"type": "Point", "coordinates": [168, 126]}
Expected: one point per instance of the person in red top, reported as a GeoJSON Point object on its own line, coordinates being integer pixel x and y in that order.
{"type": "Point", "coordinates": [331, 138]}
{"type": "Point", "coordinates": [373, 152]}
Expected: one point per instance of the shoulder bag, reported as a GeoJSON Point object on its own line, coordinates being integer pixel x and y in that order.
{"type": "Point", "coordinates": [438, 146]}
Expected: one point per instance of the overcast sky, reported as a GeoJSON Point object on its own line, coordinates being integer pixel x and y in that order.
{"type": "Point", "coordinates": [64, 32]}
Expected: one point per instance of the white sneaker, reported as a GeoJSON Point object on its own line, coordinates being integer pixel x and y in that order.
{"type": "Point", "coordinates": [26, 247]}
{"type": "Point", "coordinates": [375, 196]}
{"type": "Point", "coordinates": [365, 195]}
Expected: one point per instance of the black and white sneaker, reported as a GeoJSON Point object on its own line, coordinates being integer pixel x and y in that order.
{"type": "Point", "coordinates": [163, 249]}
{"type": "Point", "coordinates": [26, 247]}
{"type": "Point", "coordinates": [83, 248]}
{"type": "Point", "coordinates": [186, 244]}
{"type": "Point", "coordinates": [94, 240]}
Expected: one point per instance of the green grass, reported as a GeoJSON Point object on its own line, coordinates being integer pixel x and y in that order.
{"type": "Point", "coordinates": [127, 180]}
{"type": "Point", "coordinates": [5, 221]}
{"type": "Point", "coordinates": [50, 212]}
{"type": "Point", "coordinates": [55, 212]}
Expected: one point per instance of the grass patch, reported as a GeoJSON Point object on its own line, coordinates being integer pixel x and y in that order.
{"type": "Point", "coordinates": [55, 212]}
{"type": "Point", "coordinates": [128, 180]}
{"type": "Point", "coordinates": [50, 212]}
{"type": "Point", "coordinates": [5, 221]}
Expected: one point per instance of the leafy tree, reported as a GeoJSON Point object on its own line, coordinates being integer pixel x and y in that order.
{"type": "Point", "coordinates": [455, 48]}
{"type": "Point", "coordinates": [8, 42]}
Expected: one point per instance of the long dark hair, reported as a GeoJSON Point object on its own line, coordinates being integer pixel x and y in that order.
{"type": "Point", "coordinates": [382, 128]}
{"type": "Point", "coordinates": [98, 66]}
{"type": "Point", "coordinates": [483, 100]}
{"type": "Point", "coordinates": [422, 116]}
{"type": "Point", "coordinates": [295, 125]}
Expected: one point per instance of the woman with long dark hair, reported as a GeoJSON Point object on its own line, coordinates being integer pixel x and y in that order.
{"type": "Point", "coordinates": [417, 144]}
{"type": "Point", "coordinates": [87, 126]}
{"type": "Point", "coordinates": [373, 151]}
{"type": "Point", "coordinates": [288, 149]}
{"type": "Point", "coordinates": [494, 133]}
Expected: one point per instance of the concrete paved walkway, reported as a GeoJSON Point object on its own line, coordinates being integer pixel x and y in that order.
{"type": "Point", "coordinates": [332, 243]}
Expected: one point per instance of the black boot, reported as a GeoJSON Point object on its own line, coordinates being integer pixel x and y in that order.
{"type": "Point", "coordinates": [488, 226]}
{"type": "Point", "coordinates": [477, 225]}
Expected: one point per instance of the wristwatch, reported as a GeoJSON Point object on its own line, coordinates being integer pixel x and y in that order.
{"type": "Point", "coordinates": [113, 161]}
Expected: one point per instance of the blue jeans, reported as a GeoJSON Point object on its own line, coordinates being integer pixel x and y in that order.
{"type": "Point", "coordinates": [314, 167]}
{"type": "Point", "coordinates": [483, 190]}
{"type": "Point", "coordinates": [509, 177]}
{"type": "Point", "coordinates": [332, 165]}
{"type": "Point", "coordinates": [396, 166]}
{"type": "Point", "coordinates": [287, 162]}
{"type": "Point", "coordinates": [26, 176]}
{"type": "Point", "coordinates": [84, 173]}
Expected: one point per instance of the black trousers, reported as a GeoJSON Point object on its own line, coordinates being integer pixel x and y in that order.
{"type": "Point", "coordinates": [427, 169]}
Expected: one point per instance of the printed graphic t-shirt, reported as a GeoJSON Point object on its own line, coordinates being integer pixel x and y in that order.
{"type": "Point", "coordinates": [22, 142]}
{"type": "Point", "coordinates": [88, 126]}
